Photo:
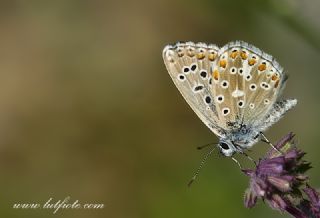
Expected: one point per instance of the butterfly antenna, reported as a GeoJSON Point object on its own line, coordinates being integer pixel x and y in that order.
{"type": "Point", "coordinates": [206, 145]}
{"type": "Point", "coordinates": [201, 165]}
{"type": "Point", "coordinates": [264, 139]}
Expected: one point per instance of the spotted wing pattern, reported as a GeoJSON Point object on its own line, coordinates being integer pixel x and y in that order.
{"type": "Point", "coordinates": [246, 83]}
{"type": "Point", "coordinates": [189, 66]}
{"type": "Point", "coordinates": [237, 84]}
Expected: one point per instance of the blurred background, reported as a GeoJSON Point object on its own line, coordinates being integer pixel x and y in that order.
{"type": "Point", "coordinates": [87, 109]}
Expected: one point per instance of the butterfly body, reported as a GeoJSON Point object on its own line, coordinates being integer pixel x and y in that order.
{"type": "Point", "coordinates": [234, 89]}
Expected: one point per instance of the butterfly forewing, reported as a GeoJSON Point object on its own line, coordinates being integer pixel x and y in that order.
{"type": "Point", "coordinates": [189, 66]}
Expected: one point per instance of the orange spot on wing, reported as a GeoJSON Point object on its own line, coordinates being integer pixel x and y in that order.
{"type": "Point", "coordinates": [234, 54]}
{"type": "Point", "coordinates": [223, 63]}
{"type": "Point", "coordinates": [252, 61]}
{"type": "Point", "coordinates": [212, 57]}
{"type": "Point", "coordinates": [274, 77]}
{"type": "Point", "coordinates": [244, 55]}
{"type": "Point", "coordinates": [216, 75]}
{"type": "Point", "coordinates": [200, 56]}
{"type": "Point", "coordinates": [262, 67]}
{"type": "Point", "coordinates": [190, 52]}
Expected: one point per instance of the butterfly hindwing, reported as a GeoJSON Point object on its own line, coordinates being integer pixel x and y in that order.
{"type": "Point", "coordinates": [277, 111]}
{"type": "Point", "coordinates": [248, 80]}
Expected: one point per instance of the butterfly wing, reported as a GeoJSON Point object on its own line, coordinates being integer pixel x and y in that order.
{"type": "Point", "coordinates": [189, 66]}
{"type": "Point", "coordinates": [248, 82]}
{"type": "Point", "coordinates": [277, 112]}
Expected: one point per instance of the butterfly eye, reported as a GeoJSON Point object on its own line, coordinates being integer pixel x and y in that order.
{"type": "Point", "coordinates": [224, 145]}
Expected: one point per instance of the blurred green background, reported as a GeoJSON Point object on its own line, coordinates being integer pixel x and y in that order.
{"type": "Point", "coordinates": [88, 110]}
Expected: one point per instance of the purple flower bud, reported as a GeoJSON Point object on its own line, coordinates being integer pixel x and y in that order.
{"type": "Point", "coordinates": [276, 202]}
{"type": "Point", "coordinates": [272, 166]}
{"type": "Point", "coordinates": [248, 172]}
{"type": "Point", "coordinates": [278, 179]}
{"type": "Point", "coordinates": [294, 154]}
{"type": "Point", "coordinates": [250, 199]}
{"type": "Point", "coordinates": [313, 195]}
{"type": "Point", "coordinates": [281, 183]}
{"type": "Point", "coordinates": [301, 177]}
{"type": "Point", "coordinates": [258, 186]}
{"type": "Point", "coordinates": [280, 145]}
{"type": "Point", "coordinates": [314, 198]}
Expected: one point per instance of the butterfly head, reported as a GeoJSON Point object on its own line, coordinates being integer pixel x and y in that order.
{"type": "Point", "coordinates": [244, 138]}
{"type": "Point", "coordinates": [226, 147]}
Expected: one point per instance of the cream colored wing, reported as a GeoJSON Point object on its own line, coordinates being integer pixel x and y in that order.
{"type": "Point", "coordinates": [189, 66]}
{"type": "Point", "coordinates": [246, 83]}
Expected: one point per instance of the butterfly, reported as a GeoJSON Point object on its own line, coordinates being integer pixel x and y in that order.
{"type": "Point", "coordinates": [234, 90]}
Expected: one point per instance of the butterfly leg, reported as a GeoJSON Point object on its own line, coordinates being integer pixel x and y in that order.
{"type": "Point", "coordinates": [245, 154]}
{"type": "Point", "coordinates": [237, 162]}
{"type": "Point", "coordinates": [264, 139]}
{"type": "Point", "coordinates": [250, 158]}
